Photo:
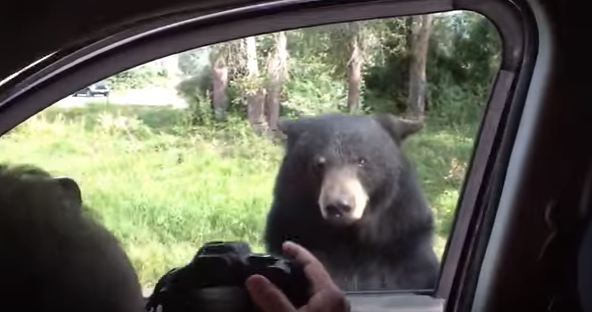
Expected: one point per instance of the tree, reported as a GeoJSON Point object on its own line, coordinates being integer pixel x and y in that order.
{"type": "Point", "coordinates": [255, 94]}
{"type": "Point", "coordinates": [421, 27]}
{"type": "Point", "coordinates": [277, 72]}
{"type": "Point", "coordinates": [346, 52]}
{"type": "Point", "coordinates": [354, 68]}
{"type": "Point", "coordinates": [219, 83]}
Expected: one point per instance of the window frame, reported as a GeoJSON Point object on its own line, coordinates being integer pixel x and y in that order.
{"type": "Point", "coordinates": [75, 67]}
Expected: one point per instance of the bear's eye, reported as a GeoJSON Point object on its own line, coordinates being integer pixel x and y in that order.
{"type": "Point", "coordinates": [362, 162]}
{"type": "Point", "coordinates": [320, 162]}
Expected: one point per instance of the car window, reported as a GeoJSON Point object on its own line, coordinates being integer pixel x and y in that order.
{"type": "Point", "coordinates": [194, 147]}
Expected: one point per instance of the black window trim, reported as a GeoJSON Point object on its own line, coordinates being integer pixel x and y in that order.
{"type": "Point", "coordinates": [78, 66]}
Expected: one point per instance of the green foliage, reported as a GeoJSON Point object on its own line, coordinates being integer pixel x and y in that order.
{"type": "Point", "coordinates": [195, 62]}
{"type": "Point", "coordinates": [308, 42]}
{"type": "Point", "coordinates": [388, 82]}
{"type": "Point", "coordinates": [200, 111]}
{"type": "Point", "coordinates": [473, 52]}
{"type": "Point", "coordinates": [196, 91]}
{"type": "Point", "coordinates": [458, 104]}
{"type": "Point", "coordinates": [387, 76]}
{"type": "Point", "coordinates": [197, 86]}
{"type": "Point", "coordinates": [463, 57]}
{"type": "Point", "coordinates": [311, 89]}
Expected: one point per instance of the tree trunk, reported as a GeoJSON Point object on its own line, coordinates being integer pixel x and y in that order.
{"type": "Point", "coordinates": [219, 87]}
{"type": "Point", "coordinates": [354, 74]}
{"type": "Point", "coordinates": [255, 94]}
{"type": "Point", "coordinates": [421, 27]}
{"type": "Point", "coordinates": [277, 70]}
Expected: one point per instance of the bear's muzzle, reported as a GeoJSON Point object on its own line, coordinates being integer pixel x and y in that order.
{"type": "Point", "coordinates": [343, 198]}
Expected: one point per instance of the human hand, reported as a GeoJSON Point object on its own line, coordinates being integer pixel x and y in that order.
{"type": "Point", "coordinates": [325, 295]}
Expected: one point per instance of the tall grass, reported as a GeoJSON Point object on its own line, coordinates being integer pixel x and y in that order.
{"type": "Point", "coordinates": [164, 189]}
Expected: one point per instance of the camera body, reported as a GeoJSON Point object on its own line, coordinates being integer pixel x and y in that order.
{"type": "Point", "coordinates": [214, 280]}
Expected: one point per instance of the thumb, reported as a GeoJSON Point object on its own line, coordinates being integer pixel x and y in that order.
{"type": "Point", "coordinates": [267, 296]}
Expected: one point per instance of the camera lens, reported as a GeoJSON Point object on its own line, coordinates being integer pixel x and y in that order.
{"type": "Point", "coordinates": [220, 248]}
{"type": "Point", "coordinates": [261, 260]}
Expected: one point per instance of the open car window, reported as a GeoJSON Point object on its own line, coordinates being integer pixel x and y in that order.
{"type": "Point", "coordinates": [185, 141]}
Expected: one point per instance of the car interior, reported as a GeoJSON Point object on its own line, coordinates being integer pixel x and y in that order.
{"type": "Point", "coordinates": [521, 238]}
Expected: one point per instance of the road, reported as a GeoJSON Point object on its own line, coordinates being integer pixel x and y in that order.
{"type": "Point", "coordinates": [143, 97]}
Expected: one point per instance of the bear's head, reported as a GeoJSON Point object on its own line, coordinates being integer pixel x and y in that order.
{"type": "Point", "coordinates": [352, 162]}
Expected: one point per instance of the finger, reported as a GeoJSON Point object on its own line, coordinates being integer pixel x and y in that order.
{"type": "Point", "coordinates": [313, 268]}
{"type": "Point", "coordinates": [299, 253]}
{"type": "Point", "coordinates": [267, 296]}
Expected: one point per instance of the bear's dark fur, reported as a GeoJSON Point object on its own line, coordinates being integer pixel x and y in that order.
{"type": "Point", "coordinates": [388, 246]}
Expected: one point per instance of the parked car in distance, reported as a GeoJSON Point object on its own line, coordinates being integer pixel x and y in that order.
{"type": "Point", "coordinates": [99, 88]}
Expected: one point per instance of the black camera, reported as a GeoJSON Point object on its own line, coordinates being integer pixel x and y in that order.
{"type": "Point", "coordinates": [214, 280]}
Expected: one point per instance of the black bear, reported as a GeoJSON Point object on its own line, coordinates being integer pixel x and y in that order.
{"type": "Point", "coordinates": [346, 191]}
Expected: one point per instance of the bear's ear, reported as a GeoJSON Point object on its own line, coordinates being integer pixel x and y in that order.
{"type": "Point", "coordinates": [399, 128]}
{"type": "Point", "coordinates": [291, 130]}
{"type": "Point", "coordinates": [284, 125]}
{"type": "Point", "coordinates": [71, 191]}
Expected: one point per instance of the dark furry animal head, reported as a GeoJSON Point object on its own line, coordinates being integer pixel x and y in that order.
{"type": "Point", "coordinates": [350, 165]}
{"type": "Point", "coordinates": [53, 255]}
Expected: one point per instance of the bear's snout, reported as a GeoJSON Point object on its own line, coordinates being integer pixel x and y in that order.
{"type": "Point", "coordinates": [339, 208]}
{"type": "Point", "coordinates": [342, 198]}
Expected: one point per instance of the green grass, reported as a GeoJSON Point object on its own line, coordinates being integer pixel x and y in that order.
{"type": "Point", "coordinates": [440, 155]}
{"type": "Point", "coordinates": [164, 189]}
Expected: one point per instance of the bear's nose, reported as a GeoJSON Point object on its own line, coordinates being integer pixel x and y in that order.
{"type": "Point", "coordinates": [338, 209]}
